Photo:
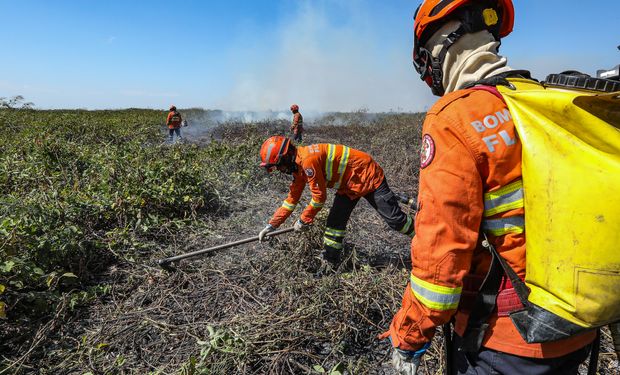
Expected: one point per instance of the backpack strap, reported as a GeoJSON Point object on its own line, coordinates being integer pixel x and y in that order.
{"type": "Point", "coordinates": [486, 300]}
{"type": "Point", "coordinates": [492, 89]}
{"type": "Point", "coordinates": [500, 79]}
{"type": "Point", "coordinates": [594, 351]}
{"type": "Point", "coordinates": [490, 84]}
{"type": "Point", "coordinates": [484, 305]}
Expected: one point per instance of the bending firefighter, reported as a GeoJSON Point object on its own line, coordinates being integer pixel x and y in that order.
{"type": "Point", "coordinates": [470, 190]}
{"type": "Point", "coordinates": [352, 173]}
{"type": "Point", "coordinates": [297, 126]}
{"type": "Point", "coordinates": [174, 122]}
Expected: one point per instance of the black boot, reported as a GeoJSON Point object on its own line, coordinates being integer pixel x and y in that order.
{"type": "Point", "coordinates": [332, 256]}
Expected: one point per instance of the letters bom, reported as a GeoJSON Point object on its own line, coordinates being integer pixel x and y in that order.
{"type": "Point", "coordinates": [491, 122]}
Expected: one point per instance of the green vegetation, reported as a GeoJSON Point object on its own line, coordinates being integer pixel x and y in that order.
{"type": "Point", "coordinates": [89, 200]}
{"type": "Point", "coordinates": [80, 189]}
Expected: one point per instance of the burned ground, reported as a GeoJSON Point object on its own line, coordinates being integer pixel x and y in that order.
{"type": "Point", "coordinates": [252, 309]}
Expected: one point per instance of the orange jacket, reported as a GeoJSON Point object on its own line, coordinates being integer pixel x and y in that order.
{"type": "Point", "coordinates": [174, 120]}
{"type": "Point", "coordinates": [298, 123]}
{"type": "Point", "coordinates": [351, 172]}
{"type": "Point", "coordinates": [470, 178]}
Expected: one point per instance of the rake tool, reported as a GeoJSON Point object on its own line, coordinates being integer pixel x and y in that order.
{"type": "Point", "coordinates": [166, 262]}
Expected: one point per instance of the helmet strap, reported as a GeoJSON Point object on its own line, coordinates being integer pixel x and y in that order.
{"type": "Point", "coordinates": [437, 63]}
{"type": "Point", "coordinates": [288, 160]}
{"type": "Point", "coordinates": [471, 20]}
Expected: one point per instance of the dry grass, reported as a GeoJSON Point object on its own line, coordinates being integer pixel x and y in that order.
{"type": "Point", "coordinates": [257, 308]}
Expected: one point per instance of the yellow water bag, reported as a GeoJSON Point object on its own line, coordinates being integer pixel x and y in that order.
{"type": "Point", "coordinates": [571, 178]}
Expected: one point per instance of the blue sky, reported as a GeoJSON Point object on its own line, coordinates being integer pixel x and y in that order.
{"type": "Point", "coordinates": [326, 55]}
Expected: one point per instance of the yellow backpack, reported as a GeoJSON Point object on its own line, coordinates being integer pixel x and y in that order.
{"type": "Point", "coordinates": [571, 181]}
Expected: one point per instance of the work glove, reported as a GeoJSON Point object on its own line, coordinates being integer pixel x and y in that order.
{"type": "Point", "coordinates": [263, 233]}
{"type": "Point", "coordinates": [406, 362]}
{"type": "Point", "coordinates": [300, 226]}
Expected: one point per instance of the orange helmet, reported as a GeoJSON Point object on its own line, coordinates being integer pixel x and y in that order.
{"type": "Point", "coordinates": [294, 107]}
{"type": "Point", "coordinates": [273, 150]}
{"type": "Point", "coordinates": [173, 108]}
{"type": "Point", "coordinates": [497, 16]}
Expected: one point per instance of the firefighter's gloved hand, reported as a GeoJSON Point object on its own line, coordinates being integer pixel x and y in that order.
{"type": "Point", "coordinates": [263, 233]}
{"type": "Point", "coordinates": [300, 226]}
{"type": "Point", "coordinates": [406, 362]}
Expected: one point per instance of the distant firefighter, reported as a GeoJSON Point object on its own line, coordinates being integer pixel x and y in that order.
{"type": "Point", "coordinates": [297, 126]}
{"type": "Point", "coordinates": [174, 122]}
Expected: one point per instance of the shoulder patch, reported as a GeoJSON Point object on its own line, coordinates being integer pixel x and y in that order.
{"type": "Point", "coordinates": [309, 172]}
{"type": "Point", "coordinates": [427, 153]}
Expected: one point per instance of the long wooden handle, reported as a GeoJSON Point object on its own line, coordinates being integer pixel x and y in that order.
{"type": "Point", "coordinates": [165, 261]}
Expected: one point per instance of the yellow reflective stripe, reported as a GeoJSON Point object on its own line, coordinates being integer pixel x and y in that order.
{"type": "Point", "coordinates": [329, 162]}
{"type": "Point", "coordinates": [504, 199]}
{"type": "Point", "coordinates": [344, 160]}
{"type": "Point", "coordinates": [331, 243]}
{"type": "Point", "coordinates": [288, 206]}
{"type": "Point", "coordinates": [500, 227]}
{"type": "Point", "coordinates": [334, 232]}
{"type": "Point", "coordinates": [436, 297]}
{"type": "Point", "coordinates": [407, 225]}
{"type": "Point", "coordinates": [316, 204]}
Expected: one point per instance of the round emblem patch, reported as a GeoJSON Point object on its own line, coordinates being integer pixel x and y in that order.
{"type": "Point", "coordinates": [309, 172]}
{"type": "Point", "coordinates": [428, 151]}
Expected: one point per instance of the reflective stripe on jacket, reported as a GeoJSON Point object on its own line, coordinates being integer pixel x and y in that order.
{"type": "Point", "coordinates": [174, 120]}
{"type": "Point", "coordinates": [297, 126]}
{"type": "Point", "coordinates": [351, 172]}
{"type": "Point", "coordinates": [470, 180]}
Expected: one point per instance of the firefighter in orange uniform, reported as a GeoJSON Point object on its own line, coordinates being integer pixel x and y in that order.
{"type": "Point", "coordinates": [297, 126]}
{"type": "Point", "coordinates": [354, 174]}
{"type": "Point", "coordinates": [470, 189]}
{"type": "Point", "coordinates": [174, 121]}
